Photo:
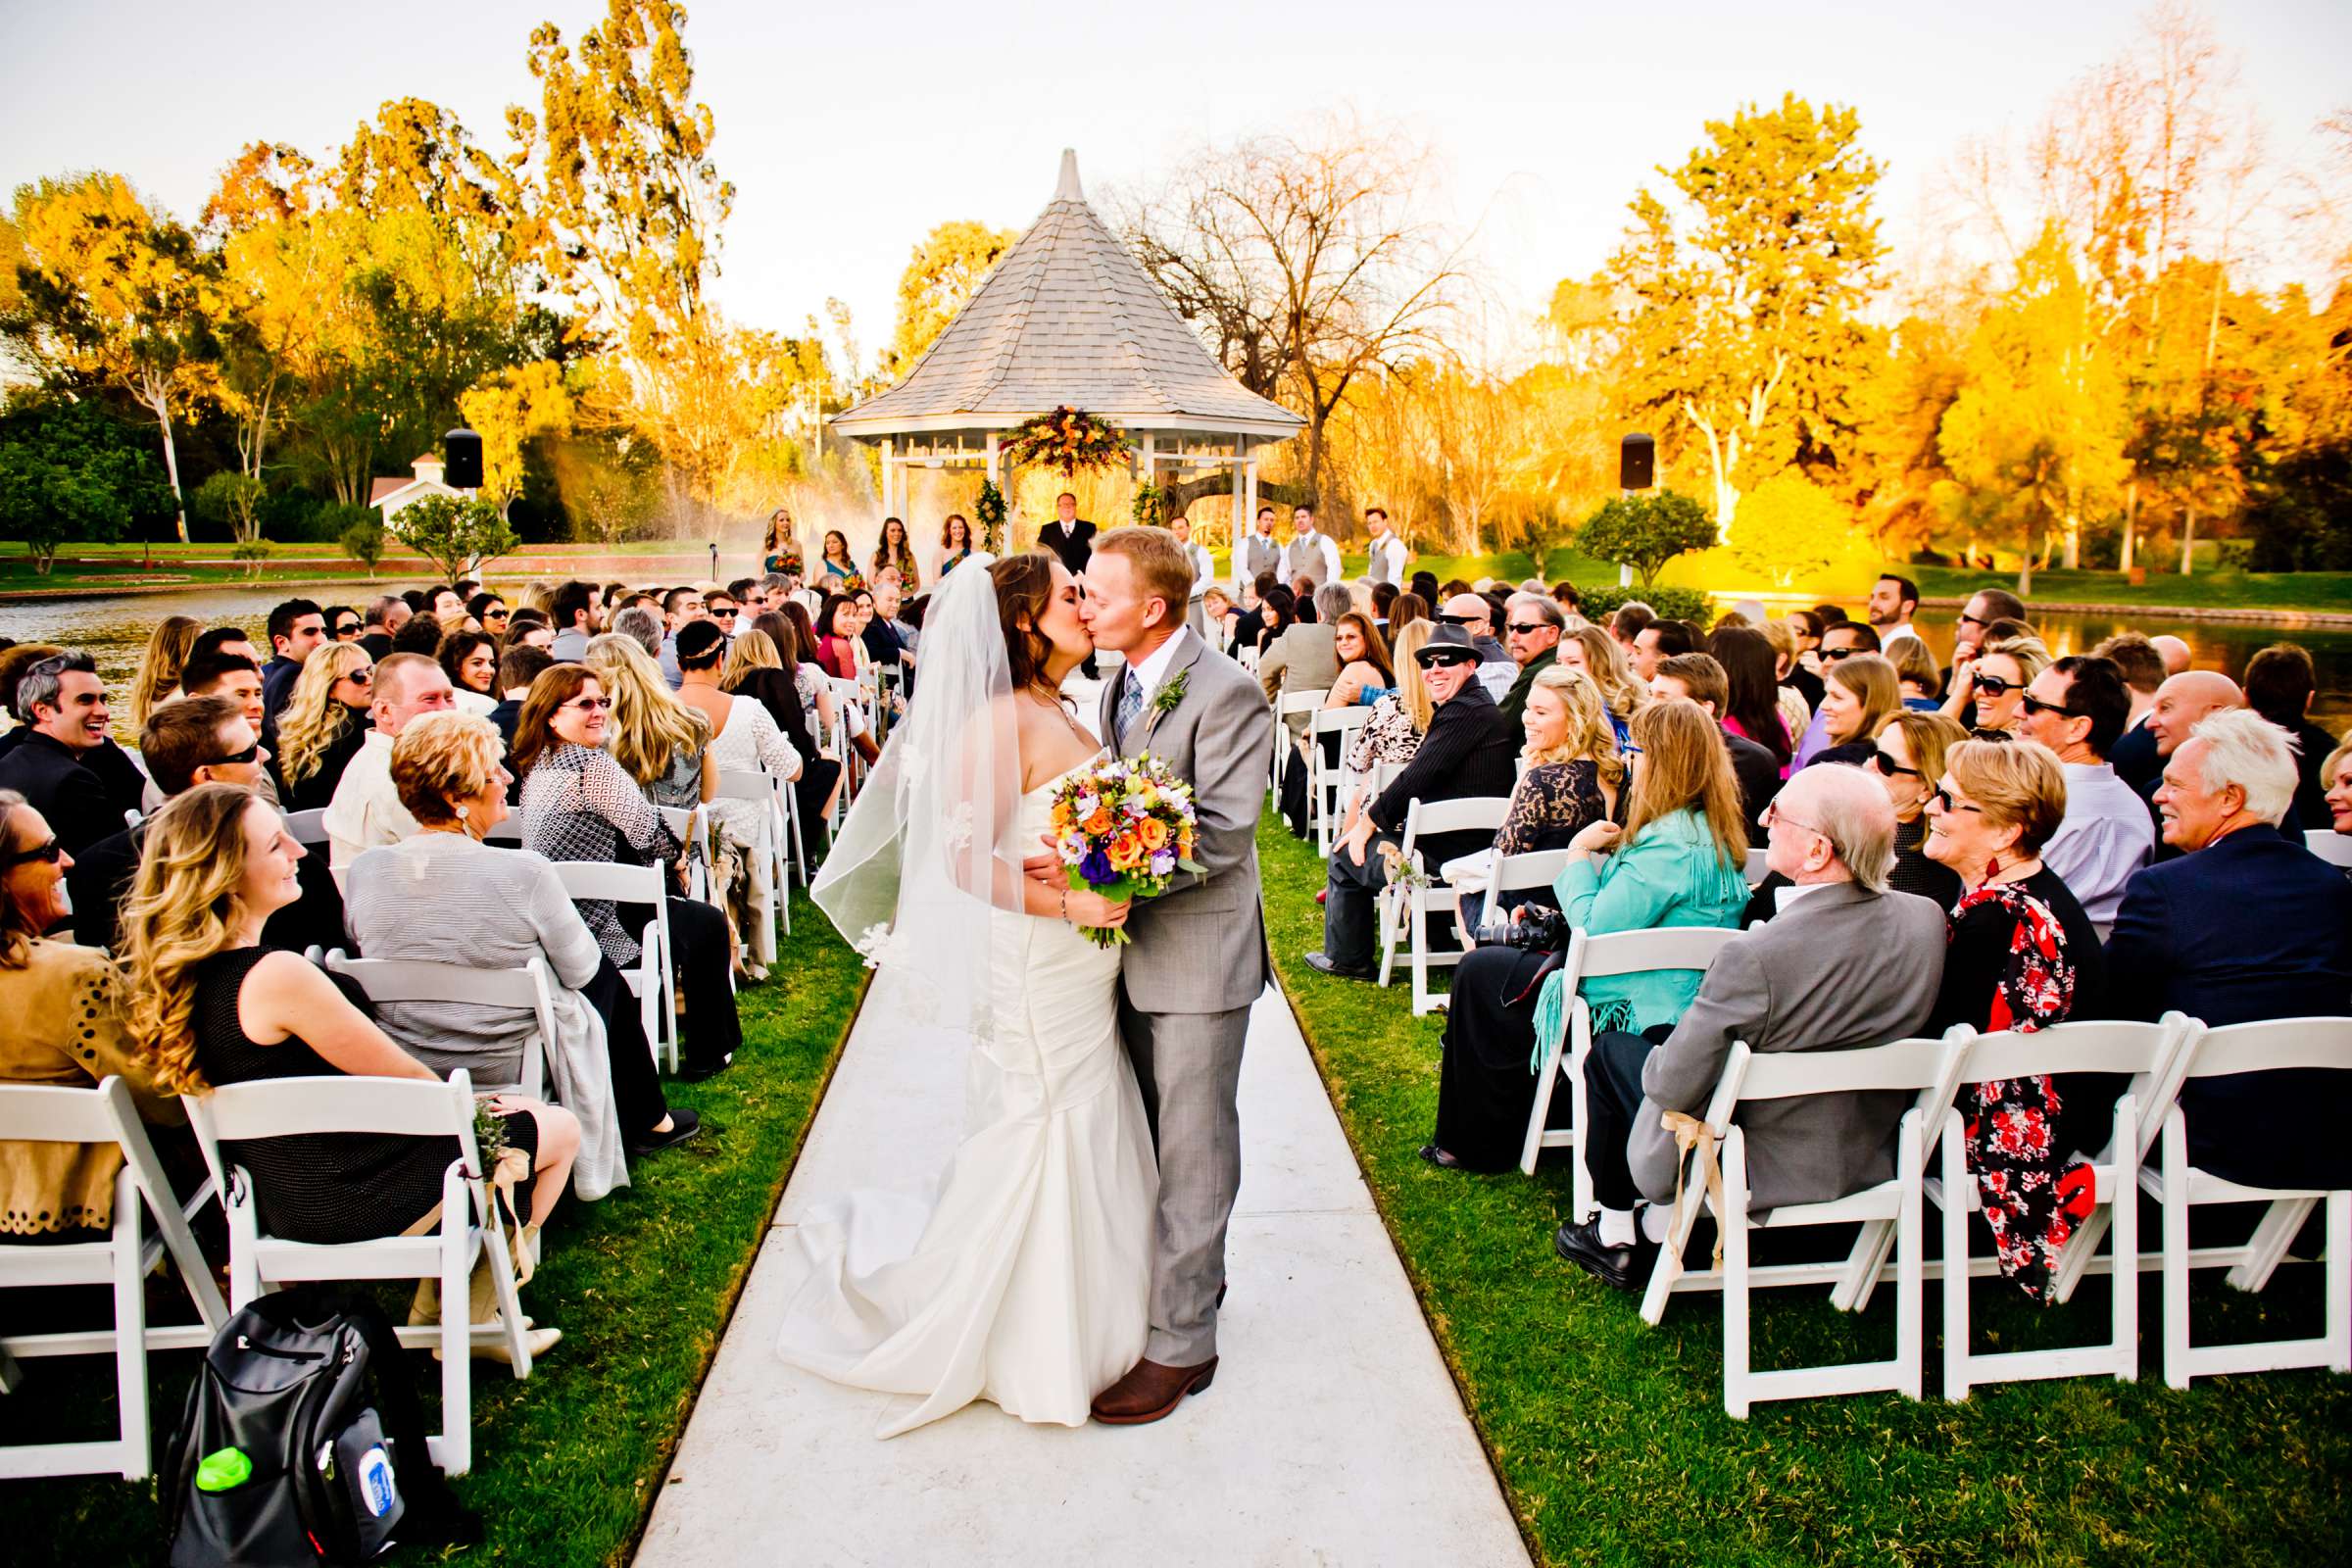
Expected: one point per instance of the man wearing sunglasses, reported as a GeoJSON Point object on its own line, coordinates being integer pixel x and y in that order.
{"type": "Point", "coordinates": [1984, 607]}
{"type": "Point", "coordinates": [2077, 707]}
{"type": "Point", "coordinates": [197, 740]}
{"type": "Point", "coordinates": [1532, 634]}
{"type": "Point", "coordinates": [1470, 751]}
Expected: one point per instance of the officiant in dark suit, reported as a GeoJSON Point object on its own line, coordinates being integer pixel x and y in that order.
{"type": "Point", "coordinates": [1070, 536]}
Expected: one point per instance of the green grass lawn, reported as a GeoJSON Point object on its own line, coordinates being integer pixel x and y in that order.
{"type": "Point", "coordinates": [2217, 588]}
{"type": "Point", "coordinates": [566, 1464]}
{"type": "Point", "coordinates": [1610, 1437]}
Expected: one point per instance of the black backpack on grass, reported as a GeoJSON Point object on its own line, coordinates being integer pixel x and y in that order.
{"type": "Point", "coordinates": [303, 1443]}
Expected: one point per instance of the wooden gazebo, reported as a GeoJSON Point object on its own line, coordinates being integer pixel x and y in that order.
{"type": "Point", "coordinates": [1068, 317]}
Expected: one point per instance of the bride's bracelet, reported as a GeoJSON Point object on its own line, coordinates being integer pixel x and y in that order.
{"type": "Point", "coordinates": [1065, 904]}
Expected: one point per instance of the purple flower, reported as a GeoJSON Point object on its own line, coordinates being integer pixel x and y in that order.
{"type": "Point", "coordinates": [1162, 862]}
{"type": "Point", "coordinates": [1095, 867]}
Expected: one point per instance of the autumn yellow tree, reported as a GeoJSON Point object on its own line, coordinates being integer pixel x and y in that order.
{"type": "Point", "coordinates": [944, 272]}
{"type": "Point", "coordinates": [115, 294]}
{"type": "Point", "coordinates": [509, 411]}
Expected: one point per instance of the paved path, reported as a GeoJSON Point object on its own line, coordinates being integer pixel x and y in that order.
{"type": "Point", "coordinates": [1333, 1435]}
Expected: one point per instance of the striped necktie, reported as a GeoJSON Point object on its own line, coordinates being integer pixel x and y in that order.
{"type": "Point", "coordinates": [1131, 704]}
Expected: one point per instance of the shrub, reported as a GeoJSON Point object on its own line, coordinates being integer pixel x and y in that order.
{"type": "Point", "coordinates": [1675, 604]}
{"type": "Point", "coordinates": [364, 542]}
{"type": "Point", "coordinates": [1647, 531]}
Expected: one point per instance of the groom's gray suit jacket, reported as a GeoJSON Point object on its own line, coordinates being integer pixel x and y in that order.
{"type": "Point", "coordinates": [1200, 946]}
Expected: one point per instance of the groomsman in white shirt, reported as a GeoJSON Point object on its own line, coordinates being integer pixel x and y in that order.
{"type": "Point", "coordinates": [1311, 555]}
{"type": "Point", "coordinates": [1255, 555]}
{"type": "Point", "coordinates": [1389, 555]}
{"type": "Point", "coordinates": [1204, 569]}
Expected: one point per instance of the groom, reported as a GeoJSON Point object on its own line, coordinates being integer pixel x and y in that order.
{"type": "Point", "coordinates": [1198, 953]}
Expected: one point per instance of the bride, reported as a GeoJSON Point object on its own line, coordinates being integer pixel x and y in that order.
{"type": "Point", "coordinates": [1023, 1277]}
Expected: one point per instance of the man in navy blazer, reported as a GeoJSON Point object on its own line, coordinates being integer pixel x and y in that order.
{"type": "Point", "coordinates": [2247, 924]}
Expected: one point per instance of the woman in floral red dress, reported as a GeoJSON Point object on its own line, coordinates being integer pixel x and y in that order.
{"type": "Point", "coordinates": [2023, 956]}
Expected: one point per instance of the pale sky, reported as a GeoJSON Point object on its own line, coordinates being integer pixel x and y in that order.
{"type": "Point", "coordinates": [850, 131]}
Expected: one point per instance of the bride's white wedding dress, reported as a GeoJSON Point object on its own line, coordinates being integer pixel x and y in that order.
{"type": "Point", "coordinates": [1024, 1278]}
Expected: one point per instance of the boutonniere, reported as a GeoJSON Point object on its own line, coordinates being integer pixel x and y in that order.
{"type": "Point", "coordinates": [1164, 700]}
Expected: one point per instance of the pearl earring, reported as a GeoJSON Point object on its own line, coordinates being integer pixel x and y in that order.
{"type": "Point", "coordinates": [462, 811]}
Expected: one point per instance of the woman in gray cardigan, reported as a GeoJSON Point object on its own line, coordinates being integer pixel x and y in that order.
{"type": "Point", "coordinates": [445, 896]}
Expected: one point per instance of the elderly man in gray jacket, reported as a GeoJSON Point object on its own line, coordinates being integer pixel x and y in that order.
{"type": "Point", "coordinates": [1846, 962]}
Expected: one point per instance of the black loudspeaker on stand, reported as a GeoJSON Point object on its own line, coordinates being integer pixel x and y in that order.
{"type": "Point", "coordinates": [462, 460]}
{"type": "Point", "coordinates": [1636, 462]}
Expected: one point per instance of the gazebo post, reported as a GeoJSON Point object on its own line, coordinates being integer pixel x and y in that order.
{"type": "Point", "coordinates": [1249, 476]}
{"type": "Point", "coordinates": [1151, 473]}
{"type": "Point", "coordinates": [889, 448]}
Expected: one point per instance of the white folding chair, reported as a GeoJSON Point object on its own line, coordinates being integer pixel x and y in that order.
{"type": "Point", "coordinates": [1322, 778]}
{"type": "Point", "coordinates": [307, 828]}
{"type": "Point", "coordinates": [530, 988]}
{"type": "Point", "coordinates": [692, 825]}
{"type": "Point", "coordinates": [2148, 1052]}
{"type": "Point", "coordinates": [2268, 1046]}
{"type": "Point", "coordinates": [1409, 909]}
{"type": "Point", "coordinates": [54, 1114]}
{"type": "Point", "coordinates": [2329, 845]}
{"type": "Point", "coordinates": [1924, 1068]}
{"type": "Point", "coordinates": [469, 1223]}
{"type": "Point", "coordinates": [1756, 870]}
{"type": "Point", "coordinates": [1591, 958]}
{"type": "Point", "coordinates": [651, 981]}
{"type": "Point", "coordinates": [507, 834]}
{"type": "Point", "coordinates": [1292, 705]}
{"type": "Point", "coordinates": [759, 789]}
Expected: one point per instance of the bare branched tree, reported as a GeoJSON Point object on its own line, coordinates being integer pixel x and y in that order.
{"type": "Point", "coordinates": [1305, 263]}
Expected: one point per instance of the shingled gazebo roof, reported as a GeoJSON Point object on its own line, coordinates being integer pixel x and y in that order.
{"type": "Point", "coordinates": [1068, 318]}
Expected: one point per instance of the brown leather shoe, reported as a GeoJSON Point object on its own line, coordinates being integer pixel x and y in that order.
{"type": "Point", "coordinates": [1151, 1391]}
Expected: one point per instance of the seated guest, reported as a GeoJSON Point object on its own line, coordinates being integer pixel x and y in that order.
{"type": "Point", "coordinates": [2077, 707]}
{"type": "Point", "coordinates": [1531, 627]}
{"type": "Point", "coordinates": [1795, 707]}
{"type": "Point", "coordinates": [580, 805]}
{"type": "Point", "coordinates": [420, 633]}
{"type": "Point", "coordinates": [197, 740]}
{"type": "Point", "coordinates": [743, 739]}
{"type": "Point", "coordinates": [296, 629]}
{"type": "Point", "coordinates": [14, 663]}
{"type": "Point", "coordinates": [1841, 642]}
{"type": "Point", "coordinates": [1663, 638]}
{"type": "Point", "coordinates": [2336, 772]}
{"type": "Point", "coordinates": [2246, 924]}
{"type": "Point", "coordinates": [366, 809]}
{"type": "Point", "coordinates": [1846, 963]}
{"type": "Point", "coordinates": [1857, 699]}
{"type": "Point", "coordinates": [61, 760]}
{"type": "Point", "coordinates": [210, 1006]}
{"type": "Point", "coordinates": [2022, 955]}
{"type": "Point", "coordinates": [1909, 760]}
{"type": "Point", "coordinates": [1306, 656]}
{"type": "Point", "coordinates": [1991, 687]}
{"type": "Point", "coordinates": [1392, 734]}
{"type": "Point", "coordinates": [836, 637]}
{"type": "Point", "coordinates": [1474, 615]}
{"type": "Point", "coordinates": [756, 668]}
{"type": "Point", "coordinates": [662, 744]}
{"type": "Point", "coordinates": [1675, 862]}
{"type": "Point", "coordinates": [2134, 755]}
{"type": "Point", "coordinates": [222, 673]}
{"type": "Point", "coordinates": [158, 680]}
{"type": "Point", "coordinates": [323, 725]}
{"type": "Point", "coordinates": [495, 909]}
{"type": "Point", "coordinates": [60, 1024]}
{"type": "Point", "coordinates": [1569, 782]}
{"type": "Point", "coordinates": [1596, 652]}
{"type": "Point", "coordinates": [518, 667]}
{"type": "Point", "coordinates": [1916, 670]}
{"type": "Point", "coordinates": [2182, 703]}
{"type": "Point", "coordinates": [1365, 673]}
{"type": "Point", "coordinates": [1751, 702]}
{"type": "Point", "coordinates": [1466, 753]}
{"type": "Point", "coordinates": [469, 658]}
{"type": "Point", "coordinates": [2281, 683]}
{"type": "Point", "coordinates": [1699, 678]}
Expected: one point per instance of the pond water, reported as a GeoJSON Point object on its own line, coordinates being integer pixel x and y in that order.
{"type": "Point", "coordinates": [115, 631]}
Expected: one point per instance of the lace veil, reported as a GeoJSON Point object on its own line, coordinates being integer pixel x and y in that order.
{"type": "Point", "coordinates": [928, 848]}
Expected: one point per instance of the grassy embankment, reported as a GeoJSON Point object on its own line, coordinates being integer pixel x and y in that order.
{"type": "Point", "coordinates": [566, 1465]}
{"type": "Point", "coordinates": [1610, 1437]}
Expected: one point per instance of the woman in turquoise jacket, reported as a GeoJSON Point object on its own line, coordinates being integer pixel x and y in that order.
{"type": "Point", "coordinates": [1677, 861]}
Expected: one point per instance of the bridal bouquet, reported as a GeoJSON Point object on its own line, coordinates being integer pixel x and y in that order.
{"type": "Point", "coordinates": [1124, 827]}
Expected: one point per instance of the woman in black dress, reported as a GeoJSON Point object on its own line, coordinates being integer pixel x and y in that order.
{"type": "Point", "coordinates": [2024, 956]}
{"type": "Point", "coordinates": [209, 1006]}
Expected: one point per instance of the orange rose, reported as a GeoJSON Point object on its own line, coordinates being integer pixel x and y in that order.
{"type": "Point", "coordinates": [1100, 822]}
{"type": "Point", "coordinates": [1152, 831]}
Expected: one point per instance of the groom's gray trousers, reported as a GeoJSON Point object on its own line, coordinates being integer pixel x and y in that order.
{"type": "Point", "coordinates": [1189, 1066]}
{"type": "Point", "coordinates": [1186, 985]}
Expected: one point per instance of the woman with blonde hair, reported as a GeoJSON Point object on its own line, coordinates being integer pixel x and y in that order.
{"type": "Point", "coordinates": [324, 723]}
{"type": "Point", "coordinates": [1677, 861]}
{"type": "Point", "coordinates": [658, 740]}
{"type": "Point", "coordinates": [1571, 779]}
{"type": "Point", "coordinates": [756, 668]}
{"type": "Point", "coordinates": [167, 655]}
{"type": "Point", "coordinates": [209, 1006]}
{"type": "Point", "coordinates": [1859, 696]}
{"type": "Point", "coordinates": [1596, 653]}
{"type": "Point", "coordinates": [1989, 692]}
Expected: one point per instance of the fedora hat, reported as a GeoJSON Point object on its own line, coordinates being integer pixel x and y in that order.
{"type": "Point", "coordinates": [1448, 644]}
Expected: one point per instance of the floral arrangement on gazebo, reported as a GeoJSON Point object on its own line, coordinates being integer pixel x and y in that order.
{"type": "Point", "coordinates": [1068, 439]}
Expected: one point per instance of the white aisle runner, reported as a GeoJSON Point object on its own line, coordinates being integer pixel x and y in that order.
{"type": "Point", "coordinates": [1332, 1434]}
